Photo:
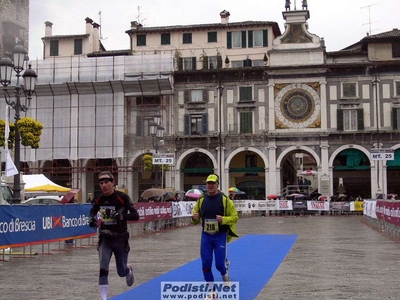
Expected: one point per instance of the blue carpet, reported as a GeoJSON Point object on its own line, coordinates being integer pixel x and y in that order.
{"type": "Point", "coordinates": [254, 259]}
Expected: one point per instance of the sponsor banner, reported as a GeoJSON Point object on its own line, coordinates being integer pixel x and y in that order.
{"type": "Point", "coordinates": [182, 209]}
{"type": "Point", "coordinates": [284, 205]}
{"type": "Point", "coordinates": [240, 205]}
{"type": "Point", "coordinates": [255, 205]}
{"type": "Point", "coordinates": [199, 290]}
{"type": "Point", "coordinates": [339, 206]}
{"type": "Point", "coordinates": [152, 211]}
{"type": "Point", "coordinates": [23, 224]}
{"type": "Point", "coordinates": [318, 205]}
{"type": "Point", "coordinates": [388, 211]}
{"type": "Point", "coordinates": [267, 204]}
{"type": "Point", "coordinates": [357, 206]}
{"type": "Point", "coordinates": [370, 209]}
{"type": "Point", "coordinates": [300, 205]}
{"type": "Point", "coordinates": [252, 205]}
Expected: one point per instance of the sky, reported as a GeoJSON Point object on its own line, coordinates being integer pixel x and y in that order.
{"type": "Point", "coordinates": [341, 22]}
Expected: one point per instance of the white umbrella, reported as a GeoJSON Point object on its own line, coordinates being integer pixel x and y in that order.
{"type": "Point", "coordinates": [194, 191]}
{"type": "Point", "coordinates": [309, 173]}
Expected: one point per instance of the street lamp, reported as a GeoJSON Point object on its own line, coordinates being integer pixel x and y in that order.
{"type": "Point", "coordinates": [157, 132]}
{"type": "Point", "coordinates": [27, 89]}
{"type": "Point", "coordinates": [220, 95]}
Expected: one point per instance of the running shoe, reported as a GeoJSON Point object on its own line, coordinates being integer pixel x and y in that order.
{"type": "Point", "coordinates": [129, 278]}
{"type": "Point", "coordinates": [226, 278]}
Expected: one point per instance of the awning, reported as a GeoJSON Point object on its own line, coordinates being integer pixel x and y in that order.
{"type": "Point", "coordinates": [141, 87]}
{"type": "Point", "coordinates": [40, 183]}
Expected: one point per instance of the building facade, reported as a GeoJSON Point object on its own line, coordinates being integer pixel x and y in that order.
{"type": "Point", "coordinates": [242, 100]}
{"type": "Point", "coordinates": [14, 25]}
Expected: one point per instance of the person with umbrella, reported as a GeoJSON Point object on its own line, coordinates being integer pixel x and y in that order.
{"type": "Point", "coordinates": [218, 215]}
{"type": "Point", "coordinates": [115, 208]}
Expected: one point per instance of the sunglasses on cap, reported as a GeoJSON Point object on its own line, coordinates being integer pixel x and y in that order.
{"type": "Point", "coordinates": [105, 179]}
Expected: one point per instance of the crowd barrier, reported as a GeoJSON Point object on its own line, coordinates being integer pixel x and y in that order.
{"type": "Point", "coordinates": [27, 229]}
{"type": "Point", "coordinates": [383, 215]}
{"type": "Point", "coordinates": [300, 207]}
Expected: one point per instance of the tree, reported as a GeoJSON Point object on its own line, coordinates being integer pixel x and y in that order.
{"type": "Point", "coordinates": [11, 135]}
{"type": "Point", "coordinates": [29, 129]}
{"type": "Point", "coordinates": [148, 163]}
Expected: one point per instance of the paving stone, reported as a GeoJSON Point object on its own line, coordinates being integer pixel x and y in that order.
{"type": "Point", "coordinates": [334, 257]}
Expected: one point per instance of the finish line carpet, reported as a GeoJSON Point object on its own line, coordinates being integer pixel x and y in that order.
{"type": "Point", "coordinates": [254, 259]}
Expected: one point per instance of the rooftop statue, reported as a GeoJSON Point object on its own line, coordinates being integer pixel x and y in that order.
{"type": "Point", "coordinates": [287, 5]}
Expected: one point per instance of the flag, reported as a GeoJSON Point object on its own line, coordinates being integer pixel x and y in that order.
{"type": "Point", "coordinates": [11, 169]}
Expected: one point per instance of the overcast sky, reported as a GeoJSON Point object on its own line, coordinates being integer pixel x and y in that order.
{"type": "Point", "coordinates": [340, 22]}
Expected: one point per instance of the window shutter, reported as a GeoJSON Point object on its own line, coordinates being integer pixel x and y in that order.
{"type": "Point", "coordinates": [250, 39]}
{"type": "Point", "coordinates": [193, 63]}
{"type": "Point", "coordinates": [180, 63]}
{"type": "Point", "coordinates": [77, 46]}
{"type": "Point", "coordinates": [246, 122]}
{"type": "Point", "coordinates": [54, 48]}
{"type": "Point", "coordinates": [139, 126]}
{"type": "Point", "coordinates": [204, 122]}
{"type": "Point", "coordinates": [244, 39]}
{"type": "Point", "coordinates": [229, 40]}
{"type": "Point", "coordinates": [395, 111]}
{"type": "Point", "coordinates": [187, 124]}
{"type": "Point", "coordinates": [360, 119]}
{"type": "Point", "coordinates": [205, 62]}
{"type": "Point", "coordinates": [395, 49]}
{"type": "Point", "coordinates": [205, 95]}
{"type": "Point", "coordinates": [265, 38]}
{"type": "Point", "coordinates": [219, 62]}
{"type": "Point", "coordinates": [247, 63]}
{"type": "Point", "coordinates": [186, 96]}
{"type": "Point", "coordinates": [340, 119]}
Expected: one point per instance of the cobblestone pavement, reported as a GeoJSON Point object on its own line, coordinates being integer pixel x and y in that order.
{"type": "Point", "coordinates": [334, 257]}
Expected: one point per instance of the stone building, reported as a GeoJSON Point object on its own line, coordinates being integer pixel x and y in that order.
{"type": "Point", "coordinates": [242, 99]}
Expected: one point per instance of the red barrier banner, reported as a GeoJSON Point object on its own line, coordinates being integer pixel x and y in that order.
{"type": "Point", "coordinates": [388, 211]}
{"type": "Point", "coordinates": [152, 211]}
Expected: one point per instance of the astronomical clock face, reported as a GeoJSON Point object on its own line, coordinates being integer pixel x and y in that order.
{"type": "Point", "coordinates": [297, 106]}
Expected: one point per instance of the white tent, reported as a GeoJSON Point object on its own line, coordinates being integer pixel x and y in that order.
{"type": "Point", "coordinates": [40, 183]}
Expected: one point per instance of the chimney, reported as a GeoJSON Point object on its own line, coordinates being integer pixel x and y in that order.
{"type": "Point", "coordinates": [96, 37]}
{"type": "Point", "coordinates": [89, 27]}
{"type": "Point", "coordinates": [136, 25]}
{"type": "Point", "coordinates": [48, 30]}
{"type": "Point", "coordinates": [224, 17]}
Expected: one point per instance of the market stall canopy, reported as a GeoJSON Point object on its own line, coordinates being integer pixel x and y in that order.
{"type": "Point", "coordinates": [40, 183]}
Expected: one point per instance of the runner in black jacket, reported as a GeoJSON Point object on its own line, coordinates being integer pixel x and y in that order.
{"type": "Point", "coordinates": [115, 209]}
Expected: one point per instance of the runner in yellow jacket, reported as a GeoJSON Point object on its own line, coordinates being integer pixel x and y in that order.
{"type": "Point", "coordinates": [218, 215]}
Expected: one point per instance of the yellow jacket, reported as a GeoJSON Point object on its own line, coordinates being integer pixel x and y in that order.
{"type": "Point", "coordinates": [230, 216]}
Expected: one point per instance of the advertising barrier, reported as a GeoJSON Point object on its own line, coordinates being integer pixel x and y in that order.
{"type": "Point", "coordinates": [388, 211]}
{"type": "Point", "coordinates": [370, 209]}
{"type": "Point", "coordinates": [153, 211]}
{"type": "Point", "coordinates": [22, 225]}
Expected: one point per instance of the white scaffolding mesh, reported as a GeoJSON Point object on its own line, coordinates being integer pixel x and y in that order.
{"type": "Point", "coordinates": [87, 121]}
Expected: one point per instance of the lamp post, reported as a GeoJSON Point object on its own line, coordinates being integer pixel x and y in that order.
{"type": "Point", "coordinates": [220, 94]}
{"type": "Point", "coordinates": [157, 132]}
{"type": "Point", "coordinates": [27, 89]}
